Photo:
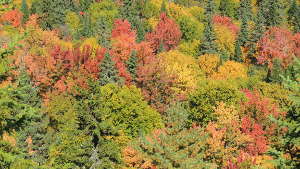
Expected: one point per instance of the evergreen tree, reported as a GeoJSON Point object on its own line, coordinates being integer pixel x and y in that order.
{"type": "Point", "coordinates": [102, 30]}
{"type": "Point", "coordinates": [208, 45]}
{"type": "Point", "coordinates": [108, 72]}
{"type": "Point", "coordinates": [86, 29]}
{"type": "Point", "coordinates": [294, 16]}
{"type": "Point", "coordinates": [131, 11]}
{"type": "Point", "coordinates": [256, 34]}
{"type": "Point", "coordinates": [237, 52]}
{"type": "Point", "coordinates": [132, 65]}
{"type": "Point", "coordinates": [25, 11]}
{"type": "Point", "coordinates": [272, 12]}
{"type": "Point", "coordinates": [245, 9]}
{"type": "Point", "coordinates": [244, 32]}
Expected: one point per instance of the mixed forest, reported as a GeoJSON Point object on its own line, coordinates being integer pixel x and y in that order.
{"type": "Point", "coordinates": [149, 84]}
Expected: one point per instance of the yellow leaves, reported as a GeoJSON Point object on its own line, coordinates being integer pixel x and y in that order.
{"type": "Point", "coordinates": [225, 38]}
{"type": "Point", "coordinates": [189, 48]}
{"type": "Point", "coordinates": [10, 139]}
{"type": "Point", "coordinates": [176, 11]}
{"type": "Point", "coordinates": [184, 67]}
{"type": "Point", "coordinates": [209, 63]}
{"type": "Point", "coordinates": [226, 115]}
{"type": "Point", "coordinates": [72, 21]}
{"type": "Point", "coordinates": [231, 70]}
{"type": "Point", "coordinates": [153, 21]}
{"type": "Point", "coordinates": [92, 43]}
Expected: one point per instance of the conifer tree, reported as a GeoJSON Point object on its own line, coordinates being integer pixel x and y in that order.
{"type": "Point", "coordinates": [272, 12]}
{"type": "Point", "coordinates": [25, 11]}
{"type": "Point", "coordinates": [108, 72]}
{"type": "Point", "coordinates": [103, 31]}
{"type": "Point", "coordinates": [132, 65]}
{"type": "Point", "coordinates": [244, 32]}
{"type": "Point", "coordinates": [294, 16]}
{"type": "Point", "coordinates": [208, 45]}
{"type": "Point", "coordinates": [245, 9]}
{"type": "Point", "coordinates": [237, 52]}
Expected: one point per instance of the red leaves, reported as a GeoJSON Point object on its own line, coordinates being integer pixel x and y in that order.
{"type": "Point", "coordinates": [156, 84]}
{"type": "Point", "coordinates": [167, 33]}
{"type": "Point", "coordinates": [123, 40]}
{"type": "Point", "coordinates": [277, 43]}
{"type": "Point", "coordinates": [13, 17]}
{"type": "Point", "coordinates": [226, 21]}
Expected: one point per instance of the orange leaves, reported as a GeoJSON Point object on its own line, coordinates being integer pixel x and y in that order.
{"type": "Point", "coordinates": [231, 70]}
{"type": "Point", "coordinates": [13, 17]}
{"type": "Point", "coordinates": [277, 43]}
{"type": "Point", "coordinates": [123, 40]}
{"type": "Point", "coordinates": [166, 34]}
{"type": "Point", "coordinates": [209, 63]}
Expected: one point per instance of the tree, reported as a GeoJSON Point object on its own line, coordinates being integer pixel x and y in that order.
{"type": "Point", "coordinates": [163, 8]}
{"type": "Point", "coordinates": [294, 16]}
{"type": "Point", "coordinates": [52, 12]}
{"type": "Point", "coordinates": [227, 8]}
{"type": "Point", "coordinates": [13, 17]}
{"type": "Point", "coordinates": [157, 85]}
{"type": "Point", "coordinates": [202, 101]}
{"type": "Point", "coordinates": [174, 146]}
{"type": "Point", "coordinates": [245, 9]}
{"type": "Point", "coordinates": [237, 52]}
{"type": "Point", "coordinates": [277, 43]}
{"type": "Point", "coordinates": [208, 45]}
{"type": "Point", "coordinates": [108, 72]}
{"type": "Point", "coordinates": [243, 36]}
{"type": "Point", "coordinates": [272, 12]}
{"type": "Point", "coordinates": [25, 11]}
{"type": "Point", "coordinates": [167, 33]}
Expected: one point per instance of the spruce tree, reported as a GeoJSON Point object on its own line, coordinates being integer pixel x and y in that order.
{"type": "Point", "coordinates": [272, 12]}
{"type": "Point", "coordinates": [237, 52]}
{"type": "Point", "coordinates": [108, 72]}
{"type": "Point", "coordinates": [294, 16]}
{"type": "Point", "coordinates": [132, 65]}
{"type": "Point", "coordinates": [208, 45]}
{"type": "Point", "coordinates": [244, 32]}
{"type": "Point", "coordinates": [103, 30]}
{"type": "Point", "coordinates": [25, 11]}
{"type": "Point", "coordinates": [245, 9]}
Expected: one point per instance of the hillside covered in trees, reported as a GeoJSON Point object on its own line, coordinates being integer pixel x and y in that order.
{"type": "Point", "coordinates": [149, 84]}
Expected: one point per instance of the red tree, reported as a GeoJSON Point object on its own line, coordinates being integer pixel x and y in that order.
{"type": "Point", "coordinates": [277, 43]}
{"type": "Point", "coordinates": [167, 33]}
{"type": "Point", "coordinates": [13, 17]}
{"type": "Point", "coordinates": [226, 21]}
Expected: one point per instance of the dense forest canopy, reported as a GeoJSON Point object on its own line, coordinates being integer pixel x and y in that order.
{"type": "Point", "coordinates": [149, 84]}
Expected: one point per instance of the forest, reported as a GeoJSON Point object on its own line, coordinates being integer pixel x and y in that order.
{"type": "Point", "coordinates": [149, 84]}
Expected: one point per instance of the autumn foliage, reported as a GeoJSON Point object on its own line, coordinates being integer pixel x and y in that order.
{"type": "Point", "coordinates": [166, 34]}
{"type": "Point", "coordinates": [13, 17]}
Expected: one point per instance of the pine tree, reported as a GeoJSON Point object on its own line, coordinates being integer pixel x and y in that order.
{"type": "Point", "coordinates": [208, 45]}
{"type": "Point", "coordinates": [25, 11]}
{"type": "Point", "coordinates": [86, 30]}
{"type": "Point", "coordinates": [294, 16]}
{"type": "Point", "coordinates": [256, 34]}
{"type": "Point", "coordinates": [244, 32]}
{"type": "Point", "coordinates": [245, 9]}
{"type": "Point", "coordinates": [132, 65]}
{"type": "Point", "coordinates": [103, 30]}
{"type": "Point", "coordinates": [108, 72]}
{"type": "Point", "coordinates": [237, 52]}
{"type": "Point", "coordinates": [272, 12]}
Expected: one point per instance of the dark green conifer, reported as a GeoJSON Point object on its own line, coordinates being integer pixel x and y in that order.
{"type": "Point", "coordinates": [294, 16]}
{"type": "Point", "coordinates": [208, 44]}
{"type": "Point", "coordinates": [108, 72]}
{"type": "Point", "coordinates": [227, 8]}
{"type": "Point", "coordinates": [237, 52]}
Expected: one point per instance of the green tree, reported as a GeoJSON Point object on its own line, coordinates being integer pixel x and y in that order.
{"type": "Point", "coordinates": [52, 12]}
{"type": "Point", "coordinates": [243, 36]}
{"type": "Point", "coordinates": [237, 52]}
{"type": "Point", "coordinates": [25, 11]}
{"type": "Point", "coordinates": [294, 16]}
{"type": "Point", "coordinates": [201, 103]}
{"type": "Point", "coordinates": [272, 11]}
{"type": "Point", "coordinates": [108, 71]}
{"type": "Point", "coordinates": [208, 45]}
{"type": "Point", "coordinates": [175, 146]}
{"type": "Point", "coordinates": [245, 9]}
{"type": "Point", "coordinates": [227, 8]}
